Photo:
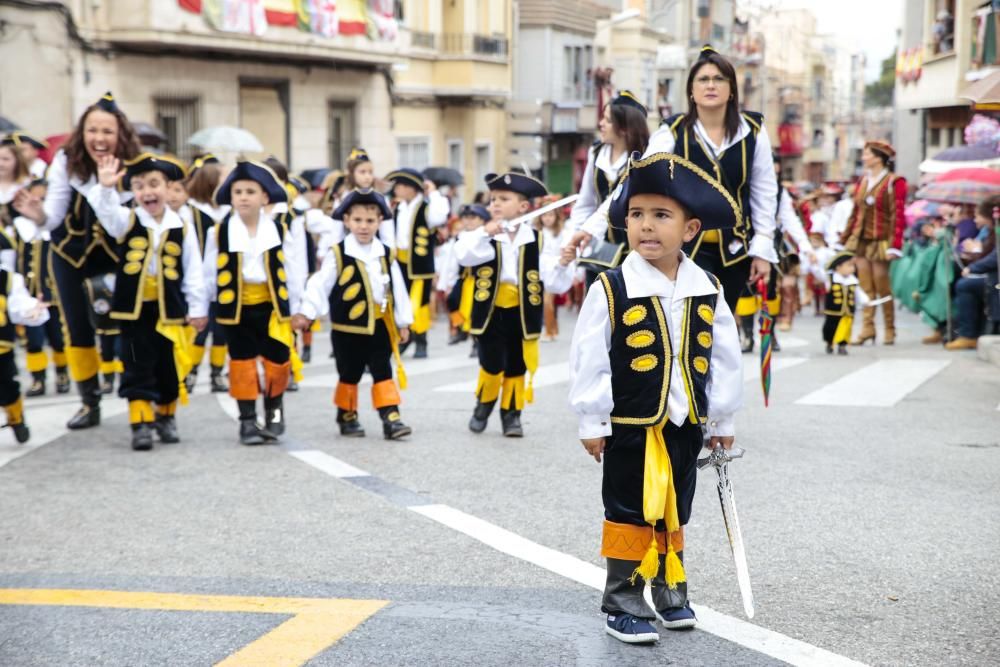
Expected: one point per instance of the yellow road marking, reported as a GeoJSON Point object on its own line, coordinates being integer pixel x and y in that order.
{"type": "Point", "coordinates": [316, 623]}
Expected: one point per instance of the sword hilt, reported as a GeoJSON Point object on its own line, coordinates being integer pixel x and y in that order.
{"type": "Point", "coordinates": [721, 456]}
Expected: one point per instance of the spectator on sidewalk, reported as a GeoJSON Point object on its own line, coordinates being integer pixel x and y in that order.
{"type": "Point", "coordinates": [978, 280]}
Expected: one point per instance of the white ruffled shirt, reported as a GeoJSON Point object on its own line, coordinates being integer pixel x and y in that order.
{"type": "Point", "coordinates": [475, 247]}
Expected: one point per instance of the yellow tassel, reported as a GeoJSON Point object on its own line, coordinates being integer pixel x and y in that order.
{"type": "Point", "coordinates": [675, 570]}
{"type": "Point", "coordinates": [529, 350]}
{"type": "Point", "coordinates": [843, 331]}
{"type": "Point", "coordinates": [650, 564]}
{"type": "Point", "coordinates": [183, 341]}
{"type": "Point", "coordinates": [401, 376]}
{"type": "Point", "coordinates": [390, 327]}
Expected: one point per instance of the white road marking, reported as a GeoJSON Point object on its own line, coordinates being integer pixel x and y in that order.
{"type": "Point", "coordinates": [329, 464]}
{"type": "Point", "coordinates": [47, 423]}
{"type": "Point", "coordinates": [881, 384]}
{"type": "Point", "coordinates": [790, 342]}
{"type": "Point", "coordinates": [751, 365]}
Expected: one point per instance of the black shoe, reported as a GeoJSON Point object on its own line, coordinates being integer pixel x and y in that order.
{"type": "Point", "coordinates": [421, 342]}
{"type": "Point", "coordinates": [62, 382]}
{"type": "Point", "coordinates": [776, 346]}
{"type": "Point", "coordinates": [481, 415]}
{"type": "Point", "coordinates": [350, 427]}
{"type": "Point", "coordinates": [474, 352]}
{"type": "Point", "coordinates": [274, 416]}
{"type": "Point", "coordinates": [307, 354]}
{"type": "Point", "coordinates": [511, 422]}
{"type": "Point", "coordinates": [142, 437]}
{"type": "Point", "coordinates": [333, 353]}
{"type": "Point", "coordinates": [191, 380]}
{"type": "Point", "coordinates": [459, 336]}
{"type": "Point", "coordinates": [392, 427]}
{"type": "Point", "coordinates": [108, 384]}
{"type": "Point", "coordinates": [252, 434]}
{"type": "Point", "coordinates": [842, 350]}
{"type": "Point", "coordinates": [829, 349]}
{"type": "Point", "coordinates": [403, 347]}
{"type": "Point", "coordinates": [37, 387]}
{"type": "Point", "coordinates": [85, 417]}
{"type": "Point", "coordinates": [21, 432]}
{"type": "Point", "coordinates": [166, 428]}
{"type": "Point", "coordinates": [292, 385]}
{"type": "Point", "coordinates": [218, 384]}
{"type": "Point", "coordinates": [747, 345]}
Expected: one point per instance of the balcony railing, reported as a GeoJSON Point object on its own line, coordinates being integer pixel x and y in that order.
{"type": "Point", "coordinates": [421, 39]}
{"type": "Point", "coordinates": [480, 45]}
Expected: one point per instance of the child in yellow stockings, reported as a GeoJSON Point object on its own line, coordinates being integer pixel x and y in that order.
{"type": "Point", "coordinates": [456, 281]}
{"type": "Point", "coordinates": [511, 275]}
{"type": "Point", "coordinates": [17, 306]}
{"type": "Point", "coordinates": [362, 289]}
{"type": "Point", "coordinates": [655, 365]}
{"type": "Point", "coordinates": [252, 269]}
{"type": "Point", "coordinates": [159, 287]}
{"type": "Point", "coordinates": [843, 294]}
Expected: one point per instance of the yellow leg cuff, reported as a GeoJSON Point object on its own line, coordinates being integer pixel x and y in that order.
{"type": "Point", "coordinates": [167, 409]}
{"type": "Point", "coordinates": [59, 359]}
{"type": "Point", "coordinates": [37, 361]}
{"type": "Point", "coordinates": [746, 306]}
{"type": "Point", "coordinates": [513, 393]}
{"type": "Point", "coordinates": [119, 366]}
{"type": "Point", "coordinates": [421, 311]}
{"type": "Point", "coordinates": [140, 412]}
{"type": "Point", "coordinates": [774, 306]}
{"type": "Point", "coordinates": [197, 354]}
{"type": "Point", "coordinates": [15, 411]}
{"type": "Point", "coordinates": [217, 357]}
{"type": "Point", "coordinates": [107, 367]}
{"type": "Point", "coordinates": [488, 386]}
{"type": "Point", "coordinates": [83, 362]}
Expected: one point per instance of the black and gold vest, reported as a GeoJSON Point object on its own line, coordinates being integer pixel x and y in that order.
{"type": "Point", "coordinates": [422, 241]}
{"type": "Point", "coordinates": [202, 223]}
{"type": "Point", "coordinates": [732, 168]}
{"type": "Point", "coordinates": [352, 309]}
{"type": "Point", "coordinates": [529, 286]}
{"type": "Point", "coordinates": [840, 300]}
{"type": "Point", "coordinates": [604, 187]}
{"type": "Point", "coordinates": [81, 234]}
{"type": "Point", "coordinates": [642, 355]}
{"type": "Point", "coordinates": [33, 264]}
{"type": "Point", "coordinates": [7, 332]}
{"type": "Point", "coordinates": [229, 277]}
{"type": "Point", "coordinates": [131, 276]}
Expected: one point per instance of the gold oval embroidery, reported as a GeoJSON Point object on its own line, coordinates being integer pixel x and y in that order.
{"type": "Point", "coordinates": [281, 255]}
{"type": "Point", "coordinates": [225, 277]}
{"type": "Point", "coordinates": [485, 272]}
{"type": "Point", "coordinates": [132, 268]}
{"type": "Point", "coordinates": [421, 241]}
{"type": "Point", "coordinates": [700, 364]}
{"type": "Point", "coordinates": [483, 283]}
{"type": "Point", "coordinates": [222, 260]}
{"type": "Point", "coordinates": [282, 274]}
{"type": "Point", "coordinates": [534, 288]}
{"type": "Point", "coordinates": [138, 242]}
{"type": "Point", "coordinates": [227, 296]}
{"type": "Point", "coordinates": [640, 339]}
{"type": "Point", "coordinates": [705, 339]}
{"type": "Point", "coordinates": [346, 275]}
{"type": "Point", "coordinates": [135, 255]}
{"type": "Point", "coordinates": [533, 276]}
{"type": "Point", "coordinates": [351, 291]}
{"type": "Point", "coordinates": [423, 231]}
{"type": "Point", "coordinates": [357, 310]}
{"type": "Point", "coordinates": [283, 293]}
{"type": "Point", "coordinates": [172, 248]}
{"type": "Point", "coordinates": [535, 300]}
{"type": "Point", "coordinates": [169, 261]}
{"type": "Point", "coordinates": [482, 295]}
{"type": "Point", "coordinates": [706, 313]}
{"type": "Point", "coordinates": [420, 251]}
{"type": "Point", "coordinates": [646, 362]}
{"type": "Point", "coordinates": [171, 274]}
{"type": "Point", "coordinates": [634, 315]}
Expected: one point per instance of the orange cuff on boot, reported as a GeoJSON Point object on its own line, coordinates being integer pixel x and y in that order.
{"type": "Point", "coordinates": [385, 394]}
{"type": "Point", "coordinates": [243, 379]}
{"type": "Point", "coordinates": [625, 541]}
{"type": "Point", "coordinates": [276, 378]}
{"type": "Point", "coordinates": [456, 318]}
{"type": "Point", "coordinates": [346, 397]}
{"type": "Point", "coordinates": [676, 541]}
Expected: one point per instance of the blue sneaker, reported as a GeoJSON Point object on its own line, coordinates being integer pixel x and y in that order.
{"type": "Point", "coordinates": [631, 630]}
{"type": "Point", "coordinates": [678, 618]}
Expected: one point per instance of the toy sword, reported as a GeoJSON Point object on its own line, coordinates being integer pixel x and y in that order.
{"type": "Point", "coordinates": [512, 225]}
{"type": "Point", "coordinates": [719, 459]}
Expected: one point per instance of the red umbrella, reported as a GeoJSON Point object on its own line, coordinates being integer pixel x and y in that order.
{"type": "Point", "coordinates": [973, 174]}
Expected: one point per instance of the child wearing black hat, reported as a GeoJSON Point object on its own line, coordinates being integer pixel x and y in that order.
{"type": "Point", "coordinates": [29, 148]}
{"type": "Point", "coordinates": [256, 277]}
{"type": "Point", "coordinates": [843, 294]}
{"type": "Point", "coordinates": [511, 274]}
{"type": "Point", "coordinates": [456, 281]}
{"type": "Point", "coordinates": [362, 289]}
{"type": "Point", "coordinates": [655, 362]}
{"type": "Point", "coordinates": [159, 287]}
{"type": "Point", "coordinates": [420, 209]}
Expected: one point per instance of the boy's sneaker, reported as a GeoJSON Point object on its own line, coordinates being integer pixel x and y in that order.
{"type": "Point", "coordinates": [631, 629]}
{"type": "Point", "coordinates": [678, 618]}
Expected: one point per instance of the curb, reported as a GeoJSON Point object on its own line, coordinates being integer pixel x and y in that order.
{"type": "Point", "coordinates": [988, 349]}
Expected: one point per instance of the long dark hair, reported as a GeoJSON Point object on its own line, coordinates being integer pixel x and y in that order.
{"type": "Point", "coordinates": [632, 123]}
{"type": "Point", "coordinates": [711, 57]}
{"type": "Point", "coordinates": [78, 160]}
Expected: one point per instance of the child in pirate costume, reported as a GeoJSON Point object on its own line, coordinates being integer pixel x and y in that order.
{"type": "Point", "coordinates": [420, 209]}
{"type": "Point", "coordinates": [307, 225]}
{"type": "Point", "coordinates": [655, 362]}
{"type": "Point", "coordinates": [256, 279]}
{"type": "Point", "coordinates": [30, 148]}
{"type": "Point", "coordinates": [511, 275]}
{"type": "Point", "coordinates": [456, 281]}
{"type": "Point", "coordinates": [843, 294]}
{"type": "Point", "coordinates": [362, 289]}
{"type": "Point", "coordinates": [33, 247]}
{"type": "Point", "coordinates": [159, 287]}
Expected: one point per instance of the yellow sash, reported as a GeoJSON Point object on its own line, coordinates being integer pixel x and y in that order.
{"type": "Point", "coordinates": [255, 293]}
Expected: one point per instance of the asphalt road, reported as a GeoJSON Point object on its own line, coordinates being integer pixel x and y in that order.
{"type": "Point", "coordinates": [868, 501]}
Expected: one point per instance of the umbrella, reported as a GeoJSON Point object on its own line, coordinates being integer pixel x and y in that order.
{"type": "Point", "coordinates": [149, 135]}
{"type": "Point", "coordinates": [315, 176]}
{"type": "Point", "coordinates": [921, 208]}
{"type": "Point", "coordinates": [958, 192]}
{"type": "Point", "coordinates": [444, 176]}
{"type": "Point", "coordinates": [961, 157]}
{"type": "Point", "coordinates": [987, 176]}
{"type": "Point", "coordinates": [7, 125]}
{"type": "Point", "coordinates": [766, 341]}
{"type": "Point", "coordinates": [984, 91]}
{"type": "Point", "coordinates": [225, 139]}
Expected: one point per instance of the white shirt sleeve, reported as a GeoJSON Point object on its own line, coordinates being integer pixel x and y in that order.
{"type": "Point", "coordinates": [59, 193]}
{"type": "Point", "coordinates": [587, 203]}
{"type": "Point", "coordinates": [194, 277]}
{"type": "Point", "coordinates": [107, 206]}
{"type": "Point", "coordinates": [861, 297]}
{"type": "Point", "coordinates": [661, 141]}
{"type": "Point", "coordinates": [790, 223]}
{"type": "Point", "coordinates": [725, 382]}
{"type": "Point", "coordinates": [402, 308]}
{"type": "Point", "coordinates": [386, 233]}
{"type": "Point", "coordinates": [590, 366]}
{"type": "Point", "coordinates": [437, 209]}
{"type": "Point", "coordinates": [448, 270]}
{"type": "Point", "coordinates": [318, 223]}
{"type": "Point", "coordinates": [295, 264]}
{"type": "Point", "coordinates": [474, 247]}
{"type": "Point", "coordinates": [556, 277]}
{"type": "Point", "coordinates": [20, 305]}
{"type": "Point", "coordinates": [763, 199]}
{"type": "Point", "coordinates": [209, 266]}
{"type": "Point", "coordinates": [315, 301]}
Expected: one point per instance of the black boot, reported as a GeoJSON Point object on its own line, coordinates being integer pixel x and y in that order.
{"type": "Point", "coordinates": [62, 381]}
{"type": "Point", "coordinates": [89, 413]}
{"type": "Point", "coordinates": [37, 387]}
{"type": "Point", "coordinates": [350, 427]}
{"type": "Point", "coordinates": [142, 437]}
{"type": "Point", "coordinates": [108, 383]}
{"type": "Point", "coordinates": [250, 432]}
{"type": "Point", "coordinates": [460, 336]}
{"type": "Point", "coordinates": [474, 352]}
{"type": "Point", "coordinates": [776, 346]}
{"type": "Point", "coordinates": [511, 422]}
{"type": "Point", "coordinates": [218, 384]}
{"type": "Point", "coordinates": [166, 428]}
{"type": "Point", "coordinates": [746, 329]}
{"type": "Point", "coordinates": [829, 348]}
{"type": "Point", "coordinates": [307, 354]}
{"type": "Point", "coordinates": [274, 416]}
{"type": "Point", "coordinates": [842, 349]}
{"type": "Point", "coordinates": [191, 380]}
{"type": "Point", "coordinates": [392, 427]}
{"type": "Point", "coordinates": [481, 415]}
{"type": "Point", "coordinates": [421, 343]}
{"type": "Point", "coordinates": [21, 432]}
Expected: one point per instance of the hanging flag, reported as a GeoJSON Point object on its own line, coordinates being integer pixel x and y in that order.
{"type": "Point", "coordinates": [193, 6]}
{"type": "Point", "coordinates": [242, 16]}
{"type": "Point", "coordinates": [353, 17]}
{"type": "Point", "coordinates": [383, 16]}
{"type": "Point", "coordinates": [282, 12]}
{"type": "Point", "coordinates": [319, 17]}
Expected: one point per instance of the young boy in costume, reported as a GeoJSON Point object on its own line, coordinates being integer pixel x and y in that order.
{"type": "Point", "coordinates": [843, 293]}
{"type": "Point", "coordinates": [159, 287]}
{"type": "Point", "coordinates": [511, 274]}
{"type": "Point", "coordinates": [253, 271]}
{"type": "Point", "coordinates": [362, 289]}
{"type": "Point", "coordinates": [655, 365]}
{"type": "Point", "coordinates": [456, 281]}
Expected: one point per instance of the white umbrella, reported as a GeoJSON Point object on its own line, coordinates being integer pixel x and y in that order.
{"type": "Point", "coordinates": [225, 139]}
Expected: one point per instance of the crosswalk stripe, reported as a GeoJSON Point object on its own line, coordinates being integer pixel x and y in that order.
{"type": "Point", "coordinates": [881, 384]}
{"type": "Point", "coordinates": [329, 464]}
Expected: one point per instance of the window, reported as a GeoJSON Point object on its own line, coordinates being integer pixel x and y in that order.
{"type": "Point", "coordinates": [942, 27]}
{"type": "Point", "coordinates": [484, 161]}
{"type": "Point", "coordinates": [456, 159]}
{"type": "Point", "coordinates": [177, 117]}
{"type": "Point", "coordinates": [935, 139]}
{"type": "Point", "coordinates": [578, 61]}
{"type": "Point", "coordinates": [342, 137]}
{"type": "Point", "coordinates": [414, 152]}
